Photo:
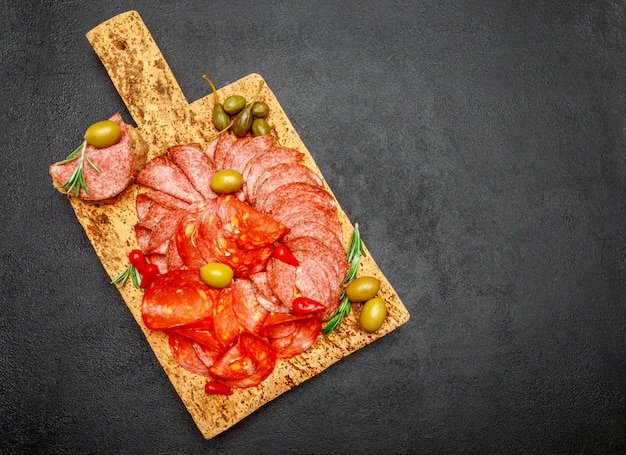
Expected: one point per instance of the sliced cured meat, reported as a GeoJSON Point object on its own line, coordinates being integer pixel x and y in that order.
{"type": "Point", "coordinates": [265, 295]}
{"type": "Point", "coordinates": [173, 261]}
{"type": "Point", "coordinates": [262, 162]}
{"type": "Point", "coordinates": [318, 230]}
{"type": "Point", "coordinates": [154, 214]}
{"type": "Point", "coordinates": [176, 299]}
{"type": "Point", "coordinates": [143, 237]}
{"type": "Point", "coordinates": [222, 149]}
{"type": "Point", "coordinates": [281, 278]}
{"type": "Point", "coordinates": [164, 232]}
{"type": "Point", "coordinates": [246, 227]}
{"type": "Point", "coordinates": [279, 175]}
{"type": "Point", "coordinates": [183, 350]}
{"type": "Point", "coordinates": [245, 149]}
{"type": "Point", "coordinates": [142, 205]}
{"type": "Point", "coordinates": [334, 259]}
{"type": "Point", "coordinates": [159, 260]}
{"type": "Point", "coordinates": [295, 197]}
{"type": "Point", "coordinates": [196, 166]}
{"type": "Point", "coordinates": [291, 335]}
{"type": "Point", "coordinates": [238, 235]}
{"type": "Point", "coordinates": [116, 165]}
{"type": "Point", "coordinates": [166, 200]}
{"type": "Point", "coordinates": [248, 310]}
{"type": "Point", "coordinates": [225, 321]}
{"type": "Point", "coordinates": [187, 233]}
{"type": "Point", "coordinates": [294, 219]}
{"type": "Point", "coordinates": [169, 179]}
{"type": "Point", "coordinates": [210, 149]}
{"type": "Point", "coordinates": [246, 364]}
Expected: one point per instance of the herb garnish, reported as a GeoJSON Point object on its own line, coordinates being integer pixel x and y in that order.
{"type": "Point", "coordinates": [77, 179]}
{"type": "Point", "coordinates": [355, 251]}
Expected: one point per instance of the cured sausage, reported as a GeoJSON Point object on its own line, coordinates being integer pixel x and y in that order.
{"type": "Point", "coordinates": [169, 179]}
{"type": "Point", "coordinates": [187, 233]}
{"type": "Point", "coordinates": [196, 166]}
{"type": "Point", "coordinates": [280, 175]}
{"type": "Point", "coordinates": [246, 364]}
{"type": "Point", "coordinates": [249, 312]}
{"type": "Point", "coordinates": [116, 165]}
{"type": "Point", "coordinates": [262, 162]}
{"type": "Point", "coordinates": [185, 354]}
{"type": "Point", "coordinates": [290, 334]}
{"type": "Point", "coordinates": [244, 150]}
{"type": "Point", "coordinates": [176, 299]}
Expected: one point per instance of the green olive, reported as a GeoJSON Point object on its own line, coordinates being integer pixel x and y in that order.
{"type": "Point", "coordinates": [216, 274]}
{"type": "Point", "coordinates": [260, 109]}
{"type": "Point", "coordinates": [226, 181]}
{"type": "Point", "coordinates": [373, 314]}
{"type": "Point", "coordinates": [234, 104]}
{"type": "Point", "coordinates": [362, 289]}
{"type": "Point", "coordinates": [103, 134]}
{"type": "Point", "coordinates": [220, 118]}
{"type": "Point", "coordinates": [260, 127]}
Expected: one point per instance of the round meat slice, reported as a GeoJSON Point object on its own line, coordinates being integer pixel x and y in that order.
{"type": "Point", "coordinates": [197, 167]}
{"type": "Point", "coordinates": [307, 329]}
{"type": "Point", "coordinates": [176, 299]}
{"type": "Point", "coordinates": [248, 310]}
{"type": "Point", "coordinates": [226, 325]}
{"type": "Point", "coordinates": [246, 364]}
{"type": "Point", "coordinates": [294, 219]}
{"type": "Point", "coordinates": [187, 233]}
{"type": "Point", "coordinates": [245, 149]}
{"type": "Point", "coordinates": [279, 175]}
{"type": "Point", "coordinates": [116, 165]}
{"type": "Point", "coordinates": [292, 196]}
{"type": "Point", "coordinates": [222, 149]}
{"type": "Point", "coordinates": [169, 179]}
{"type": "Point", "coordinates": [265, 295]}
{"type": "Point", "coordinates": [260, 163]}
{"type": "Point", "coordinates": [183, 350]}
{"type": "Point", "coordinates": [281, 278]}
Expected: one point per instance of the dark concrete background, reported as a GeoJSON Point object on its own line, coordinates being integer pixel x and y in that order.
{"type": "Point", "coordinates": [481, 148]}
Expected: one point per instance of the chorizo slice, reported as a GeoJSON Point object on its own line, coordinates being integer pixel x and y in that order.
{"type": "Point", "coordinates": [176, 299]}
{"type": "Point", "coordinates": [197, 166]}
{"type": "Point", "coordinates": [246, 364]}
{"type": "Point", "coordinates": [249, 312]}
{"type": "Point", "coordinates": [169, 179]}
{"type": "Point", "coordinates": [291, 335]}
{"type": "Point", "coordinates": [185, 354]}
{"type": "Point", "coordinates": [187, 232]}
{"type": "Point", "coordinates": [225, 323]}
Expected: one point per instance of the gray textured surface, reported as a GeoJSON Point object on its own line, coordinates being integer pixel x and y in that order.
{"type": "Point", "coordinates": [481, 148]}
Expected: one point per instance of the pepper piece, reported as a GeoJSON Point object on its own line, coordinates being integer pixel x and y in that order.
{"type": "Point", "coordinates": [281, 252]}
{"type": "Point", "coordinates": [215, 388]}
{"type": "Point", "coordinates": [148, 272]}
{"type": "Point", "coordinates": [304, 305]}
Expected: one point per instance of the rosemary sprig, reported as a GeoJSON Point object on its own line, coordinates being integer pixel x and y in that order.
{"type": "Point", "coordinates": [355, 251]}
{"type": "Point", "coordinates": [131, 272]}
{"type": "Point", "coordinates": [76, 181]}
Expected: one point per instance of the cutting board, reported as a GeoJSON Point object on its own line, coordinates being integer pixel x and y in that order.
{"type": "Point", "coordinates": [165, 118]}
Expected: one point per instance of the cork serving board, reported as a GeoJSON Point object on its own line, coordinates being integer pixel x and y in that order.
{"type": "Point", "coordinates": [164, 118]}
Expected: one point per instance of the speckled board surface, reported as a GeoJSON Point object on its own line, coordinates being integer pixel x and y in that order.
{"type": "Point", "coordinates": [164, 118]}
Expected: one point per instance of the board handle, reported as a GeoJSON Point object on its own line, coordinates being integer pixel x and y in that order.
{"type": "Point", "coordinates": [142, 78]}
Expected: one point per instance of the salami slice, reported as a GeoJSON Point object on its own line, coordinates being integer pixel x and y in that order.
{"type": "Point", "coordinates": [281, 278]}
{"type": "Point", "coordinates": [176, 299]}
{"type": "Point", "coordinates": [173, 261]}
{"type": "Point", "coordinates": [248, 148]}
{"type": "Point", "coordinates": [183, 350]}
{"type": "Point", "coordinates": [169, 179]}
{"type": "Point", "coordinates": [163, 232]}
{"type": "Point", "coordinates": [142, 205]}
{"type": "Point", "coordinates": [166, 199]}
{"type": "Point", "coordinates": [265, 295]}
{"type": "Point", "coordinates": [154, 214]}
{"type": "Point", "coordinates": [280, 175]}
{"type": "Point", "coordinates": [116, 165]}
{"type": "Point", "coordinates": [248, 310]}
{"type": "Point", "coordinates": [293, 197]}
{"type": "Point", "coordinates": [246, 364]}
{"type": "Point", "coordinates": [256, 166]}
{"type": "Point", "coordinates": [160, 260]}
{"type": "Point", "coordinates": [210, 149]}
{"type": "Point", "coordinates": [143, 237]}
{"type": "Point", "coordinates": [222, 149]}
{"type": "Point", "coordinates": [196, 166]}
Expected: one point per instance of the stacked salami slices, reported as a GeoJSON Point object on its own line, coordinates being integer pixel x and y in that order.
{"type": "Point", "coordinates": [236, 334]}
